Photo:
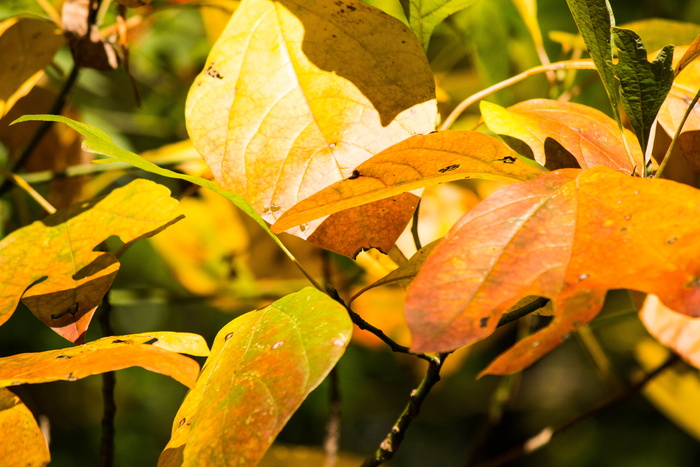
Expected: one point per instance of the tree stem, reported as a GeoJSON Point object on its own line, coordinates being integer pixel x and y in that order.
{"type": "Point", "coordinates": [109, 382]}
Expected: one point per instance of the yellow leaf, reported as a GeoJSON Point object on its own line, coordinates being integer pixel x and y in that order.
{"type": "Point", "coordinates": [674, 330]}
{"type": "Point", "coordinates": [22, 442]}
{"type": "Point", "coordinates": [297, 93]}
{"type": "Point", "coordinates": [52, 264]}
{"type": "Point", "coordinates": [38, 42]}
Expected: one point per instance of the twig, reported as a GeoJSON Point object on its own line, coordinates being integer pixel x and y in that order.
{"type": "Point", "coordinates": [567, 64]}
{"type": "Point", "coordinates": [674, 141]}
{"type": "Point", "coordinates": [414, 227]}
{"type": "Point", "coordinates": [330, 443]}
{"type": "Point", "coordinates": [56, 109]}
{"type": "Point", "coordinates": [109, 382]}
{"type": "Point", "coordinates": [393, 440]}
{"type": "Point", "coordinates": [30, 191]}
{"type": "Point", "coordinates": [541, 439]}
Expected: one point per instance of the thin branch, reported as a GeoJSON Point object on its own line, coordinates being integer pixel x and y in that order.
{"type": "Point", "coordinates": [393, 439]}
{"type": "Point", "coordinates": [674, 141]}
{"type": "Point", "coordinates": [543, 438]}
{"type": "Point", "coordinates": [109, 382]}
{"type": "Point", "coordinates": [414, 228]}
{"type": "Point", "coordinates": [330, 443]}
{"type": "Point", "coordinates": [30, 191]}
{"type": "Point", "coordinates": [564, 65]}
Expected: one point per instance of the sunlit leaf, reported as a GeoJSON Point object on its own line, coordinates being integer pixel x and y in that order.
{"type": "Point", "coordinates": [297, 93]}
{"type": "Point", "coordinates": [424, 15]}
{"type": "Point", "coordinates": [414, 163]}
{"type": "Point", "coordinates": [109, 354]}
{"type": "Point", "coordinates": [563, 134]}
{"type": "Point", "coordinates": [675, 392]}
{"type": "Point", "coordinates": [594, 19]}
{"type": "Point", "coordinates": [38, 42]}
{"type": "Point", "coordinates": [674, 330]}
{"type": "Point", "coordinates": [52, 264]}
{"type": "Point", "coordinates": [643, 85]}
{"type": "Point", "coordinates": [692, 52]}
{"type": "Point", "coordinates": [569, 235]}
{"type": "Point", "coordinates": [262, 366]}
{"type": "Point", "coordinates": [22, 442]}
{"type": "Point", "coordinates": [658, 32]}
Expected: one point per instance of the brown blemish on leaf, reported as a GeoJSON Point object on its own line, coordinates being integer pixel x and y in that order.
{"type": "Point", "coordinates": [228, 336]}
{"type": "Point", "coordinates": [449, 168]}
{"type": "Point", "coordinates": [355, 174]}
{"type": "Point", "coordinates": [672, 240]}
{"type": "Point", "coordinates": [213, 72]}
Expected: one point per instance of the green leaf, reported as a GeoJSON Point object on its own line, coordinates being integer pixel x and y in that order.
{"type": "Point", "coordinates": [424, 15]}
{"type": "Point", "coordinates": [262, 366]}
{"type": "Point", "coordinates": [643, 85]}
{"type": "Point", "coordinates": [594, 18]}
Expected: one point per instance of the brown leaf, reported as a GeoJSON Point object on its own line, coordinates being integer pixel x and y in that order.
{"type": "Point", "coordinates": [561, 134]}
{"type": "Point", "coordinates": [568, 235]}
{"type": "Point", "coordinates": [22, 442]}
{"type": "Point", "coordinates": [51, 264]}
{"type": "Point", "coordinates": [88, 47]}
{"type": "Point", "coordinates": [414, 163]}
{"type": "Point", "coordinates": [38, 42]}
{"type": "Point", "coordinates": [108, 354]}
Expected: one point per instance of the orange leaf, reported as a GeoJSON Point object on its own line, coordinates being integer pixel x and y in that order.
{"type": "Point", "coordinates": [108, 354]}
{"type": "Point", "coordinates": [22, 442]}
{"type": "Point", "coordinates": [564, 134]}
{"type": "Point", "coordinates": [51, 264]}
{"type": "Point", "coordinates": [569, 235]}
{"type": "Point", "coordinates": [262, 366]}
{"type": "Point", "coordinates": [297, 93]}
{"type": "Point", "coordinates": [674, 330]}
{"type": "Point", "coordinates": [38, 42]}
{"type": "Point", "coordinates": [414, 163]}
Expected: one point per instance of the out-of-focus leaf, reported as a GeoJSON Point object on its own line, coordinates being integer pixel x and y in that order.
{"type": "Point", "coordinates": [87, 45]}
{"type": "Point", "coordinates": [304, 456]}
{"type": "Point", "coordinates": [643, 85]}
{"type": "Point", "coordinates": [109, 354]}
{"type": "Point", "coordinates": [658, 32]}
{"type": "Point", "coordinates": [262, 366]}
{"type": "Point", "coordinates": [674, 330]}
{"type": "Point", "coordinates": [424, 15]}
{"type": "Point", "coordinates": [134, 3]}
{"type": "Point", "coordinates": [52, 266]}
{"type": "Point", "coordinates": [297, 93]}
{"type": "Point", "coordinates": [690, 54]}
{"type": "Point", "coordinates": [22, 442]}
{"type": "Point", "coordinates": [417, 162]}
{"type": "Point", "coordinates": [563, 134]}
{"type": "Point", "coordinates": [38, 42]}
{"type": "Point", "coordinates": [594, 19]}
{"type": "Point", "coordinates": [215, 16]}
{"type": "Point", "coordinates": [569, 235]}
{"type": "Point", "coordinates": [675, 392]}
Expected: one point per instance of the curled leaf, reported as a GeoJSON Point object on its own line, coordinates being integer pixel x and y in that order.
{"type": "Point", "coordinates": [22, 442]}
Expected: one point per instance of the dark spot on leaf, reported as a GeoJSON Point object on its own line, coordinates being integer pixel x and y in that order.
{"type": "Point", "coordinates": [67, 357]}
{"type": "Point", "coordinates": [213, 72]}
{"type": "Point", "coordinates": [508, 160]}
{"type": "Point", "coordinates": [118, 341]}
{"type": "Point", "coordinates": [624, 229]}
{"type": "Point", "coordinates": [228, 336]}
{"type": "Point", "coordinates": [70, 311]}
{"type": "Point", "coordinates": [351, 8]}
{"type": "Point", "coordinates": [355, 174]}
{"type": "Point", "coordinates": [483, 322]}
{"type": "Point", "coordinates": [182, 422]}
{"type": "Point", "coordinates": [449, 168]}
{"type": "Point", "coordinates": [671, 240]}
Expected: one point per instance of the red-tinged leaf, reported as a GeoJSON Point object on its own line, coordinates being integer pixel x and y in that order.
{"type": "Point", "coordinates": [569, 235]}
{"type": "Point", "coordinates": [674, 330]}
{"type": "Point", "coordinates": [52, 266]}
{"type": "Point", "coordinates": [22, 442]}
{"type": "Point", "coordinates": [38, 42]}
{"type": "Point", "coordinates": [108, 354]}
{"type": "Point", "coordinates": [262, 366]}
{"type": "Point", "coordinates": [297, 93]}
{"type": "Point", "coordinates": [414, 163]}
{"type": "Point", "coordinates": [561, 134]}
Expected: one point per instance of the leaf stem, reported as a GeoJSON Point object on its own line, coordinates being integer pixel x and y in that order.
{"type": "Point", "coordinates": [674, 141]}
{"type": "Point", "coordinates": [600, 359]}
{"type": "Point", "coordinates": [563, 65]}
{"type": "Point", "coordinates": [393, 439]}
{"type": "Point", "coordinates": [30, 191]}
{"type": "Point", "coordinates": [543, 438]}
{"type": "Point", "coordinates": [414, 227]}
{"type": "Point", "coordinates": [331, 441]}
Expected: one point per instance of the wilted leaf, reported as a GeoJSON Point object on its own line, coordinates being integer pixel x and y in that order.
{"type": "Point", "coordinates": [424, 15]}
{"type": "Point", "coordinates": [568, 235]}
{"type": "Point", "coordinates": [675, 392]}
{"type": "Point", "coordinates": [563, 134]}
{"type": "Point", "coordinates": [674, 330]}
{"type": "Point", "coordinates": [109, 354]}
{"type": "Point", "coordinates": [594, 19]}
{"type": "Point", "coordinates": [262, 366]}
{"type": "Point", "coordinates": [88, 47]}
{"type": "Point", "coordinates": [417, 162]}
{"type": "Point", "coordinates": [643, 85]}
{"type": "Point", "coordinates": [53, 266]}
{"type": "Point", "coordinates": [296, 94]}
{"type": "Point", "coordinates": [22, 442]}
{"type": "Point", "coordinates": [38, 40]}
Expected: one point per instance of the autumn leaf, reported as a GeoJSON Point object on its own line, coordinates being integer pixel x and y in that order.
{"type": "Point", "coordinates": [569, 235]}
{"type": "Point", "coordinates": [296, 94]}
{"type": "Point", "coordinates": [39, 41]}
{"type": "Point", "coordinates": [22, 442]}
{"type": "Point", "coordinates": [561, 134]}
{"type": "Point", "coordinates": [52, 264]}
{"type": "Point", "coordinates": [424, 15]}
{"type": "Point", "coordinates": [158, 352]}
{"type": "Point", "coordinates": [417, 162]}
{"type": "Point", "coordinates": [262, 366]}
